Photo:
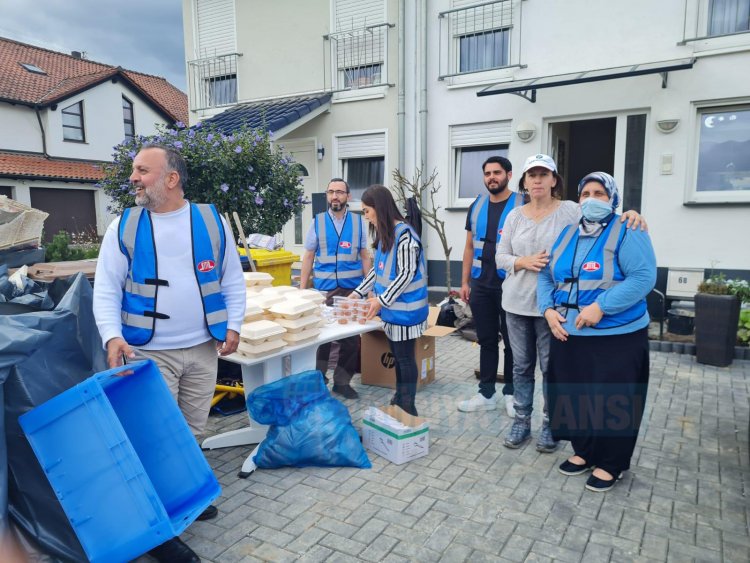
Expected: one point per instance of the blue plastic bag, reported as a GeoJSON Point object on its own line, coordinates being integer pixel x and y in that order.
{"type": "Point", "coordinates": [308, 426]}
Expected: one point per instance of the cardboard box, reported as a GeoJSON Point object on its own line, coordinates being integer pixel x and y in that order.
{"type": "Point", "coordinates": [378, 364]}
{"type": "Point", "coordinates": [394, 434]}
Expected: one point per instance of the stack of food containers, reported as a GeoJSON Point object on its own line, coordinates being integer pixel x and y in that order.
{"type": "Point", "coordinates": [255, 282]}
{"type": "Point", "coordinates": [260, 338]}
{"type": "Point", "coordinates": [347, 310]}
{"type": "Point", "coordinates": [301, 319]}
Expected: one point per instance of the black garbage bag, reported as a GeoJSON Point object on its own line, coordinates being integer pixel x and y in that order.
{"type": "Point", "coordinates": [42, 354]}
{"type": "Point", "coordinates": [447, 314]}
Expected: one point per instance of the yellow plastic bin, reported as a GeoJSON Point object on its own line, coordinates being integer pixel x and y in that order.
{"type": "Point", "coordinates": [278, 263]}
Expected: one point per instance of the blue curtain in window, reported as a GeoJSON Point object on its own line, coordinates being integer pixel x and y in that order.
{"type": "Point", "coordinates": [729, 16]}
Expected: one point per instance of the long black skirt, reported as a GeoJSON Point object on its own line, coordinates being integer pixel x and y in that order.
{"type": "Point", "coordinates": [597, 392]}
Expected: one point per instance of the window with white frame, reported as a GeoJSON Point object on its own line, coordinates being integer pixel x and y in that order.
{"type": "Point", "coordinates": [723, 163]}
{"type": "Point", "coordinates": [358, 43]}
{"type": "Point", "coordinates": [72, 122]}
{"type": "Point", "coordinates": [471, 145]}
{"type": "Point", "coordinates": [477, 37]}
{"type": "Point", "coordinates": [222, 90]}
{"type": "Point", "coordinates": [728, 16]}
{"type": "Point", "coordinates": [361, 161]}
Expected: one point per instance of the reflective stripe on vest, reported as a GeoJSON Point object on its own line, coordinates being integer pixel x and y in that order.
{"type": "Point", "coordinates": [410, 307]}
{"type": "Point", "coordinates": [337, 259]}
{"type": "Point", "coordinates": [139, 299]}
{"type": "Point", "coordinates": [598, 272]}
{"type": "Point", "coordinates": [478, 222]}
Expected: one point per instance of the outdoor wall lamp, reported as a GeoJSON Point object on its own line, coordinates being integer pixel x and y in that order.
{"type": "Point", "coordinates": [525, 131]}
{"type": "Point", "coordinates": [321, 152]}
{"type": "Point", "coordinates": [667, 125]}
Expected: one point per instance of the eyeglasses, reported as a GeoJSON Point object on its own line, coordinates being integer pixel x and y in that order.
{"type": "Point", "coordinates": [337, 193]}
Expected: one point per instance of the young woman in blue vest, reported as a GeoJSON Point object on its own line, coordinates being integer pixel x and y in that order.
{"type": "Point", "coordinates": [399, 283]}
{"type": "Point", "coordinates": [522, 252]}
{"type": "Point", "coordinates": [593, 297]}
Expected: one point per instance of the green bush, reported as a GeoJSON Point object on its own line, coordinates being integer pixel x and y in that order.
{"type": "Point", "coordinates": [59, 249]}
{"type": "Point", "coordinates": [242, 172]}
{"type": "Point", "coordinates": [743, 330]}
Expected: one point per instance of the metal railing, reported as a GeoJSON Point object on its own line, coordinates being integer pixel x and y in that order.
{"type": "Point", "coordinates": [213, 81]}
{"type": "Point", "coordinates": [479, 37]}
{"type": "Point", "coordinates": [358, 57]}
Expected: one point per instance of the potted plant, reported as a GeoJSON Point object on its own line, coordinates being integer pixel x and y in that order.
{"type": "Point", "coordinates": [717, 313]}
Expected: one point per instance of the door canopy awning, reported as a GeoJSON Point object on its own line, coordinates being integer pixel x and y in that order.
{"type": "Point", "coordinates": [527, 88]}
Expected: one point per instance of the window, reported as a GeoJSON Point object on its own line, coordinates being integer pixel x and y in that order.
{"type": "Point", "coordinates": [222, 90]}
{"type": "Point", "coordinates": [363, 172]}
{"type": "Point", "coordinates": [471, 145]}
{"type": "Point", "coordinates": [723, 168]}
{"type": "Point", "coordinates": [469, 175]}
{"type": "Point", "coordinates": [361, 160]}
{"type": "Point", "coordinates": [32, 68]}
{"type": "Point", "coordinates": [128, 119]}
{"type": "Point", "coordinates": [483, 51]}
{"type": "Point", "coordinates": [72, 120]}
{"type": "Point", "coordinates": [359, 77]}
{"type": "Point", "coordinates": [476, 37]}
{"type": "Point", "coordinates": [728, 16]}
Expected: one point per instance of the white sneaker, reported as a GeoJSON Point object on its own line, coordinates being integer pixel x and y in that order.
{"type": "Point", "coordinates": [478, 403]}
{"type": "Point", "coordinates": [509, 408]}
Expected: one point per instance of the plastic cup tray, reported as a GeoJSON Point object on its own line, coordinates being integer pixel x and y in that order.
{"type": "Point", "coordinates": [123, 462]}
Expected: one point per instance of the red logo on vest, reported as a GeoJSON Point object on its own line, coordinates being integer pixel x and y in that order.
{"type": "Point", "coordinates": [591, 266]}
{"type": "Point", "coordinates": [500, 232]}
{"type": "Point", "coordinates": [345, 244]}
{"type": "Point", "coordinates": [206, 266]}
{"type": "Point", "coordinates": [381, 265]}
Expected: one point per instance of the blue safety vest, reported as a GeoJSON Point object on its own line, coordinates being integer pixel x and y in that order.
{"type": "Point", "coordinates": [598, 272]}
{"type": "Point", "coordinates": [410, 308]}
{"type": "Point", "coordinates": [136, 238]}
{"type": "Point", "coordinates": [479, 228]}
{"type": "Point", "coordinates": [338, 261]}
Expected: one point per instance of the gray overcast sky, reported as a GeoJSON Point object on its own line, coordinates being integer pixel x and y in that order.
{"type": "Point", "coordinates": [140, 35]}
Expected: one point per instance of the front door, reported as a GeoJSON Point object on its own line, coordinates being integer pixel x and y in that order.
{"type": "Point", "coordinates": [303, 152]}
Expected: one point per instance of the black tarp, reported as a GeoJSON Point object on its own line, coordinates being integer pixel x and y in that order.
{"type": "Point", "coordinates": [48, 344]}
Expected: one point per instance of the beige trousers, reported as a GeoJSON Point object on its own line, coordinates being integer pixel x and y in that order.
{"type": "Point", "coordinates": [190, 374]}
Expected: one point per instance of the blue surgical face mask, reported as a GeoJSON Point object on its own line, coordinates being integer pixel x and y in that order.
{"type": "Point", "coordinates": [595, 209]}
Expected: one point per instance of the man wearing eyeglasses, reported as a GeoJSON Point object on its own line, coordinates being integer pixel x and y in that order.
{"type": "Point", "coordinates": [336, 255]}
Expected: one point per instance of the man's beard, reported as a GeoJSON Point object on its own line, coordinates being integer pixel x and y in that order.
{"type": "Point", "coordinates": [336, 206]}
{"type": "Point", "coordinates": [152, 198]}
{"type": "Point", "coordinates": [498, 189]}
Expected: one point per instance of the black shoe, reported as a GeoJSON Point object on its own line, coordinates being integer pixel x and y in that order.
{"type": "Point", "coordinates": [208, 514]}
{"type": "Point", "coordinates": [345, 391]}
{"type": "Point", "coordinates": [601, 485]}
{"type": "Point", "coordinates": [174, 551]}
{"type": "Point", "coordinates": [569, 468]}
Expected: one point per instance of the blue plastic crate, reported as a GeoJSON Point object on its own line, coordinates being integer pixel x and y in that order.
{"type": "Point", "coordinates": [122, 461]}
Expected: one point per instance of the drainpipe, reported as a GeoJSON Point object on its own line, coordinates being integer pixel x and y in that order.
{"type": "Point", "coordinates": [423, 83]}
{"type": "Point", "coordinates": [41, 128]}
{"type": "Point", "coordinates": [401, 87]}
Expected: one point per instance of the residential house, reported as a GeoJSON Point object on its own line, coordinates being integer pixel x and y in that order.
{"type": "Point", "coordinates": [654, 93]}
{"type": "Point", "coordinates": [60, 117]}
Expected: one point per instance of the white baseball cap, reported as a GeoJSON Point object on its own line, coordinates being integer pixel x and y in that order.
{"type": "Point", "coordinates": [539, 160]}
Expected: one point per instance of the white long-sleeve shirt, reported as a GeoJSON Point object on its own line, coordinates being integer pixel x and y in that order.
{"type": "Point", "coordinates": [181, 300]}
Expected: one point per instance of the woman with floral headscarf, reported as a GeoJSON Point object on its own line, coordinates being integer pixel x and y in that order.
{"type": "Point", "coordinates": [593, 295]}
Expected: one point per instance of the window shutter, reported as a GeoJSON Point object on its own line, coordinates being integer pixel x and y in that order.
{"type": "Point", "coordinates": [477, 134]}
{"type": "Point", "coordinates": [216, 27]}
{"type": "Point", "coordinates": [356, 14]}
{"type": "Point", "coordinates": [477, 20]}
{"type": "Point", "coordinates": [359, 146]}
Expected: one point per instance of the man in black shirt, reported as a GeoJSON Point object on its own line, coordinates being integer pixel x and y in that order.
{"type": "Point", "coordinates": [482, 283]}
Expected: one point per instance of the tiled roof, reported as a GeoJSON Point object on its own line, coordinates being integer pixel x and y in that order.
{"type": "Point", "coordinates": [27, 165]}
{"type": "Point", "coordinates": [272, 115]}
{"type": "Point", "coordinates": [67, 75]}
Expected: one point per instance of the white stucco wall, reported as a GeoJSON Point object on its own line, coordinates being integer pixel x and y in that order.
{"type": "Point", "coordinates": [20, 128]}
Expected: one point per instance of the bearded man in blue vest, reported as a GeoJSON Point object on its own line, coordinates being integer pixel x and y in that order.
{"type": "Point", "coordinates": [482, 283]}
{"type": "Point", "coordinates": [169, 287]}
{"type": "Point", "coordinates": [336, 254]}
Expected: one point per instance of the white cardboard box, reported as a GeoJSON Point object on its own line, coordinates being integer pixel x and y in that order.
{"type": "Point", "coordinates": [394, 434]}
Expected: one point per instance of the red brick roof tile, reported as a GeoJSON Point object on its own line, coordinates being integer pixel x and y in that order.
{"type": "Point", "coordinates": [27, 165]}
{"type": "Point", "coordinates": [66, 75]}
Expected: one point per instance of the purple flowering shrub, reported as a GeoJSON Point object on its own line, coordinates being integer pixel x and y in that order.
{"type": "Point", "coordinates": [240, 172]}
